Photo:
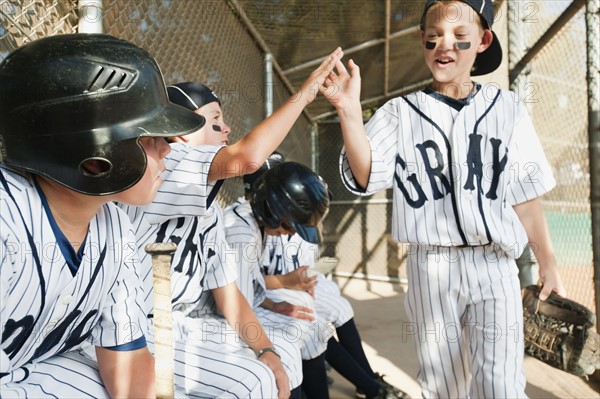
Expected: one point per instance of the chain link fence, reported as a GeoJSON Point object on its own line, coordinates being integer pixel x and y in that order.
{"type": "Point", "coordinates": [555, 91]}
{"type": "Point", "coordinates": [207, 41]}
{"type": "Point", "coordinates": [22, 21]}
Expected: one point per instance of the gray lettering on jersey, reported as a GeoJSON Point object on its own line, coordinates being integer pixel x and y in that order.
{"type": "Point", "coordinates": [412, 178]}
{"type": "Point", "coordinates": [436, 172]}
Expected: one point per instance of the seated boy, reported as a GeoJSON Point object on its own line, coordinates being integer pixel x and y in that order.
{"type": "Point", "coordinates": [71, 144]}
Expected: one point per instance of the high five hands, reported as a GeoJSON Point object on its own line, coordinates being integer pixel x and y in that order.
{"type": "Point", "coordinates": [313, 84]}
{"type": "Point", "coordinates": [342, 86]}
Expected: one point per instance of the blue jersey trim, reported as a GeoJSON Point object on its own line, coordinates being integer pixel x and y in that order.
{"type": "Point", "coordinates": [72, 258]}
{"type": "Point", "coordinates": [130, 346]}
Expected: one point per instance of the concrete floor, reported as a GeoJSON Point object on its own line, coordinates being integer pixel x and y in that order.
{"type": "Point", "coordinates": [380, 317]}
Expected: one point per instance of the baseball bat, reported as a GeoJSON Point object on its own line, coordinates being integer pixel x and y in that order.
{"type": "Point", "coordinates": [163, 319]}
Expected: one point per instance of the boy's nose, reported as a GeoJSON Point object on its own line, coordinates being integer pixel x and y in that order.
{"type": "Point", "coordinates": [446, 42]}
{"type": "Point", "coordinates": [226, 129]}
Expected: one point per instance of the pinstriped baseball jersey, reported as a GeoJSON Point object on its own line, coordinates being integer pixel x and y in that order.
{"type": "Point", "coordinates": [46, 308]}
{"type": "Point", "coordinates": [194, 221]}
{"type": "Point", "coordinates": [245, 238]}
{"type": "Point", "coordinates": [284, 254]}
{"type": "Point", "coordinates": [455, 174]}
{"type": "Point", "coordinates": [183, 194]}
{"type": "Point", "coordinates": [199, 264]}
{"type": "Point", "coordinates": [186, 190]}
{"type": "Point", "coordinates": [67, 375]}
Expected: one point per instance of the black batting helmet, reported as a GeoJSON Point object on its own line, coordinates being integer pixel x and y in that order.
{"type": "Point", "coordinates": [68, 99]}
{"type": "Point", "coordinates": [274, 159]}
{"type": "Point", "coordinates": [292, 193]}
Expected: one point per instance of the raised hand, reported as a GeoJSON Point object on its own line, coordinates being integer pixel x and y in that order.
{"type": "Point", "coordinates": [342, 88]}
{"type": "Point", "coordinates": [311, 87]}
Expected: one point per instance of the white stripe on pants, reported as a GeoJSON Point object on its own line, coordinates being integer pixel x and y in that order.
{"type": "Point", "coordinates": [467, 321]}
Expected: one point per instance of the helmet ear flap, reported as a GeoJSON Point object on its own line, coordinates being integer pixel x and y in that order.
{"type": "Point", "coordinates": [260, 204]}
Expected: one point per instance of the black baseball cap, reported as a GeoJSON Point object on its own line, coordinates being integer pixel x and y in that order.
{"type": "Point", "coordinates": [191, 95]}
{"type": "Point", "coordinates": [490, 59]}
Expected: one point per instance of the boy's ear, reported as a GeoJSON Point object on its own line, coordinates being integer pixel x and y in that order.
{"type": "Point", "coordinates": [486, 41]}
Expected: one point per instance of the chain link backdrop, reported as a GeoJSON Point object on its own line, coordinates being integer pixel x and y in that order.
{"type": "Point", "coordinates": [557, 99]}
{"type": "Point", "coordinates": [206, 41]}
{"type": "Point", "coordinates": [22, 21]}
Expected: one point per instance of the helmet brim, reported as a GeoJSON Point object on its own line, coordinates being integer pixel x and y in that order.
{"type": "Point", "coordinates": [310, 234]}
{"type": "Point", "coordinates": [174, 120]}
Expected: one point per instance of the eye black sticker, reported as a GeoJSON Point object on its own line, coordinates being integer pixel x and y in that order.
{"type": "Point", "coordinates": [216, 128]}
{"type": "Point", "coordinates": [457, 45]}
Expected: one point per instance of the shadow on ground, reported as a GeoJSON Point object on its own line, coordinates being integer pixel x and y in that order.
{"type": "Point", "coordinates": [388, 342]}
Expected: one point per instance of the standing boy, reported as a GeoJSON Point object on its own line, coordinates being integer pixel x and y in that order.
{"type": "Point", "coordinates": [71, 144]}
{"type": "Point", "coordinates": [470, 213]}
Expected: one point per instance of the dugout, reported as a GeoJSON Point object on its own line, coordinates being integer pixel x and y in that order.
{"type": "Point", "coordinates": [253, 53]}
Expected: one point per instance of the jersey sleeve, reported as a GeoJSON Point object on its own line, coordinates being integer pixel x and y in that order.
{"type": "Point", "coordinates": [6, 272]}
{"type": "Point", "coordinates": [382, 135]}
{"type": "Point", "coordinates": [531, 174]}
{"type": "Point", "coordinates": [246, 249]}
{"type": "Point", "coordinates": [220, 269]}
{"type": "Point", "coordinates": [185, 190]}
{"type": "Point", "coordinates": [122, 319]}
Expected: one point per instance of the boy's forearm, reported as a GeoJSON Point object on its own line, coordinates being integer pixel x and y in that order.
{"type": "Point", "coordinates": [274, 282]}
{"type": "Point", "coordinates": [358, 148]}
{"type": "Point", "coordinates": [261, 141]}
{"type": "Point", "coordinates": [247, 155]}
{"type": "Point", "coordinates": [531, 215]}
{"type": "Point", "coordinates": [240, 316]}
{"type": "Point", "coordinates": [268, 304]}
{"type": "Point", "coordinates": [127, 374]}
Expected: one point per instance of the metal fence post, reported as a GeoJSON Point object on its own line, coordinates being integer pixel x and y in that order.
{"type": "Point", "coordinates": [592, 20]}
{"type": "Point", "coordinates": [90, 16]}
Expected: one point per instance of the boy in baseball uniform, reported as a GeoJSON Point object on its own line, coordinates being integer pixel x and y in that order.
{"type": "Point", "coordinates": [221, 349]}
{"type": "Point", "coordinates": [467, 170]}
{"type": "Point", "coordinates": [289, 197]}
{"type": "Point", "coordinates": [215, 356]}
{"type": "Point", "coordinates": [287, 268]}
{"type": "Point", "coordinates": [69, 271]}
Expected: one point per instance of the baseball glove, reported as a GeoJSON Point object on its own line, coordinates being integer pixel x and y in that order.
{"type": "Point", "coordinates": [558, 331]}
